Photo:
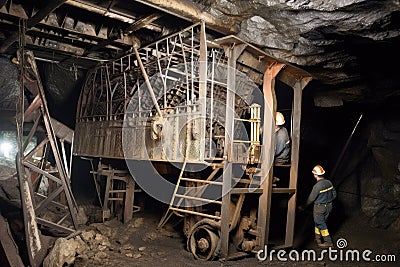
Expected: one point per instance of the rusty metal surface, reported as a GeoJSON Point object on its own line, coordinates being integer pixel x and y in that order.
{"type": "Point", "coordinates": [34, 168]}
{"type": "Point", "coordinates": [177, 80]}
{"type": "Point", "coordinates": [172, 79]}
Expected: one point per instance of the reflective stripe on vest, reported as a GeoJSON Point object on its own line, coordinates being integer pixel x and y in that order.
{"type": "Point", "coordinates": [326, 190]}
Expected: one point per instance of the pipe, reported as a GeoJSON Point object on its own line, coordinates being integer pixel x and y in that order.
{"type": "Point", "coordinates": [146, 78]}
{"type": "Point", "coordinates": [191, 12]}
{"type": "Point", "coordinates": [118, 15]}
{"type": "Point", "coordinates": [99, 10]}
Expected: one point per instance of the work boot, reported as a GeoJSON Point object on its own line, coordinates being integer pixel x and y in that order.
{"type": "Point", "coordinates": [325, 244]}
{"type": "Point", "coordinates": [318, 239]}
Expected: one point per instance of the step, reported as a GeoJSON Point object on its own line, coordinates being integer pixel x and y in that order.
{"type": "Point", "coordinates": [201, 181]}
{"type": "Point", "coordinates": [240, 180]}
{"type": "Point", "coordinates": [246, 191]}
{"type": "Point", "coordinates": [117, 191]}
{"type": "Point", "coordinates": [199, 199]}
{"type": "Point", "coordinates": [284, 190]}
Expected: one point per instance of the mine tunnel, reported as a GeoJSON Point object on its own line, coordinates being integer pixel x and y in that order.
{"type": "Point", "coordinates": [199, 133]}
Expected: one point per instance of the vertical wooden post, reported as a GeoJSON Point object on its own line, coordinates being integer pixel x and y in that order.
{"type": "Point", "coordinates": [295, 152]}
{"type": "Point", "coordinates": [267, 152]}
{"type": "Point", "coordinates": [203, 89]}
{"type": "Point", "coordinates": [129, 198]}
{"type": "Point", "coordinates": [232, 54]}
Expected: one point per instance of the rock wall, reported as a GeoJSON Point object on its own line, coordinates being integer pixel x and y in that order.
{"type": "Point", "coordinates": [374, 182]}
{"type": "Point", "coordinates": [9, 84]}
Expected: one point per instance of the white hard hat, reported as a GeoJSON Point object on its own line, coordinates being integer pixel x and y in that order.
{"type": "Point", "coordinates": [318, 170]}
{"type": "Point", "coordinates": [279, 118]}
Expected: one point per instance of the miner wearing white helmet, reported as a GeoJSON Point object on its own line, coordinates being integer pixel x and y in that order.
{"type": "Point", "coordinates": [282, 141]}
{"type": "Point", "coordinates": [322, 194]}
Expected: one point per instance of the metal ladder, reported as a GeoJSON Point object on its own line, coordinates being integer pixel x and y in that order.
{"type": "Point", "coordinates": [192, 194]}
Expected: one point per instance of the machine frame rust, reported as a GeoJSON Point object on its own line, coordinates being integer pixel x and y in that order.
{"type": "Point", "coordinates": [191, 80]}
{"type": "Point", "coordinates": [33, 167]}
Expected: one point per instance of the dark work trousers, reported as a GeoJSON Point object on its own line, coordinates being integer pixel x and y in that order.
{"type": "Point", "coordinates": [321, 213]}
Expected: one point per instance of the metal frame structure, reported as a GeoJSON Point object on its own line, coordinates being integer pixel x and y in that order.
{"type": "Point", "coordinates": [181, 80]}
{"type": "Point", "coordinates": [33, 167]}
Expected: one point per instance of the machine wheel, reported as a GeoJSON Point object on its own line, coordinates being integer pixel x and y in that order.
{"type": "Point", "coordinates": [203, 240]}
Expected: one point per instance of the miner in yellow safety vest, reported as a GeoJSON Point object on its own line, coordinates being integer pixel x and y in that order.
{"type": "Point", "coordinates": [322, 194]}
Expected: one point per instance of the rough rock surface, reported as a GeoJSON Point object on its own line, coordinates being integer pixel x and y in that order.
{"type": "Point", "coordinates": [374, 183]}
{"type": "Point", "coordinates": [9, 84]}
{"type": "Point", "coordinates": [343, 44]}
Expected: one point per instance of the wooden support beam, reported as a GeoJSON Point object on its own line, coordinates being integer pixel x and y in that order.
{"type": "Point", "coordinates": [99, 10]}
{"type": "Point", "coordinates": [40, 15]}
{"type": "Point", "coordinates": [295, 152]}
{"type": "Point", "coordinates": [8, 245]}
{"type": "Point", "coordinates": [129, 198]}
{"type": "Point", "coordinates": [142, 22]}
{"type": "Point", "coordinates": [267, 152]}
{"type": "Point", "coordinates": [203, 88]}
{"type": "Point", "coordinates": [191, 12]}
{"type": "Point", "coordinates": [232, 53]}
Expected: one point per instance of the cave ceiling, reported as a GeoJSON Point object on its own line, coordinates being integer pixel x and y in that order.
{"type": "Point", "coordinates": [350, 47]}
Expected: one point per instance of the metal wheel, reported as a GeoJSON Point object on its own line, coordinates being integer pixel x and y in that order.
{"type": "Point", "coordinates": [203, 241]}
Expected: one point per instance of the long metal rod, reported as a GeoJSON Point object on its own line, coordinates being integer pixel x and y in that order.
{"type": "Point", "coordinates": [167, 214]}
{"type": "Point", "coordinates": [192, 67]}
{"type": "Point", "coordinates": [146, 79]}
{"type": "Point", "coordinates": [186, 70]}
{"type": "Point", "coordinates": [211, 101]}
{"type": "Point", "coordinates": [203, 89]}
{"type": "Point", "coordinates": [31, 133]}
{"type": "Point", "coordinates": [345, 148]}
{"type": "Point", "coordinates": [36, 149]}
{"type": "Point", "coordinates": [164, 79]}
{"type": "Point", "coordinates": [36, 169]}
{"type": "Point", "coordinates": [64, 158]}
{"type": "Point", "coordinates": [108, 91]}
{"type": "Point", "coordinates": [33, 241]}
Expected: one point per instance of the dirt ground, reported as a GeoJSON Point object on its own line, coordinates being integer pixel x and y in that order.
{"type": "Point", "coordinates": [139, 243]}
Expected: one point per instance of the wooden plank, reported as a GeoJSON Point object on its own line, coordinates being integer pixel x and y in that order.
{"type": "Point", "coordinates": [283, 190]}
{"type": "Point", "coordinates": [62, 131]}
{"type": "Point", "coordinates": [202, 89]}
{"type": "Point", "coordinates": [232, 55]}
{"type": "Point", "coordinates": [129, 199]}
{"type": "Point", "coordinates": [291, 212]}
{"type": "Point", "coordinates": [9, 247]}
{"type": "Point", "coordinates": [267, 153]}
{"type": "Point", "coordinates": [246, 191]}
